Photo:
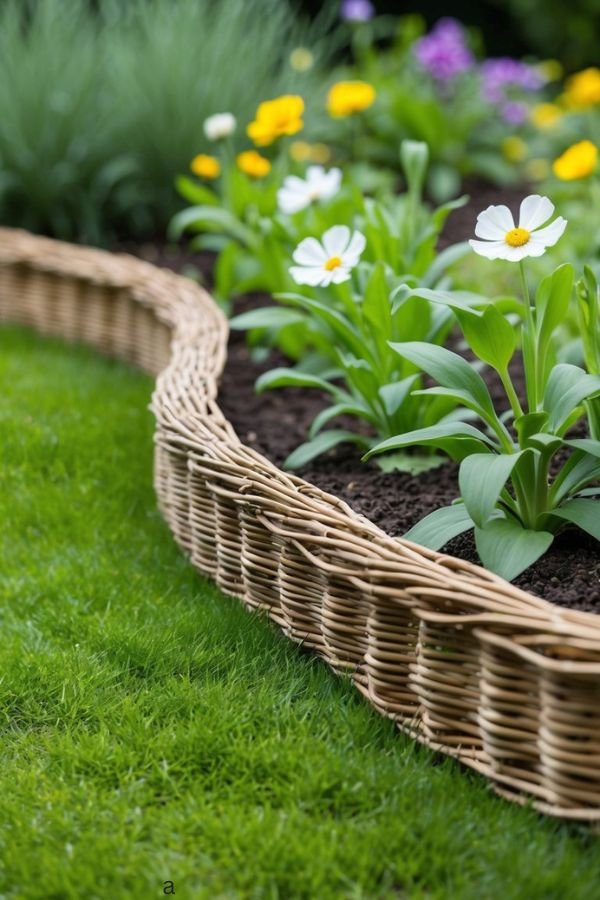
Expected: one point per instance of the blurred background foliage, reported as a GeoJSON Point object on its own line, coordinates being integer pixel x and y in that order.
{"type": "Point", "coordinates": [102, 102]}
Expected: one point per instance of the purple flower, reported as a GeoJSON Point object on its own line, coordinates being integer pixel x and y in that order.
{"type": "Point", "coordinates": [501, 74]}
{"type": "Point", "coordinates": [513, 112]}
{"type": "Point", "coordinates": [444, 52]}
{"type": "Point", "coordinates": [357, 10]}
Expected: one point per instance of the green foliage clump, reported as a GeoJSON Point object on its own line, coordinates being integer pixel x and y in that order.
{"type": "Point", "coordinates": [101, 108]}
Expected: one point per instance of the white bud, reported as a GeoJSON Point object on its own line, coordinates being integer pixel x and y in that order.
{"type": "Point", "coordinates": [219, 126]}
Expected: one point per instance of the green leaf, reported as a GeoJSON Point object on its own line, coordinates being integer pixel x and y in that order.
{"type": "Point", "coordinates": [282, 377]}
{"type": "Point", "coordinates": [393, 395]}
{"type": "Point", "coordinates": [440, 526]}
{"type": "Point", "coordinates": [579, 470]}
{"type": "Point", "coordinates": [198, 194]}
{"type": "Point", "coordinates": [323, 442]}
{"type": "Point", "coordinates": [568, 386]}
{"type": "Point", "coordinates": [457, 439]}
{"type": "Point", "coordinates": [376, 303]}
{"type": "Point", "coordinates": [507, 549]}
{"type": "Point", "coordinates": [582, 512]}
{"type": "Point", "coordinates": [489, 336]}
{"type": "Point", "coordinates": [347, 335]}
{"type": "Point", "coordinates": [465, 300]}
{"type": "Point", "coordinates": [211, 218]}
{"type": "Point", "coordinates": [443, 261]}
{"type": "Point", "coordinates": [450, 370]}
{"type": "Point", "coordinates": [266, 317]}
{"type": "Point", "coordinates": [338, 409]}
{"type": "Point", "coordinates": [529, 425]}
{"type": "Point", "coordinates": [588, 445]}
{"type": "Point", "coordinates": [402, 461]}
{"type": "Point", "coordinates": [481, 478]}
{"type": "Point", "coordinates": [552, 302]}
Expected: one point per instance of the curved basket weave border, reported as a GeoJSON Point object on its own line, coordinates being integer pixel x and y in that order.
{"type": "Point", "coordinates": [460, 659]}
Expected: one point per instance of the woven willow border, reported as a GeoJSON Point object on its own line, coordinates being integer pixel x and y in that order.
{"type": "Point", "coordinates": [458, 658]}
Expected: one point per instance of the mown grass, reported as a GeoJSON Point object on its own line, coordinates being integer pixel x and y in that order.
{"type": "Point", "coordinates": [153, 730]}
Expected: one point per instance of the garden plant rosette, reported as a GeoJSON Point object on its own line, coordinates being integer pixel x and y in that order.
{"type": "Point", "coordinates": [458, 658]}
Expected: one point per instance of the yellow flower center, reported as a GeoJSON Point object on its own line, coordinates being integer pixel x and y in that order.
{"type": "Point", "coordinates": [333, 263]}
{"type": "Point", "coordinates": [516, 237]}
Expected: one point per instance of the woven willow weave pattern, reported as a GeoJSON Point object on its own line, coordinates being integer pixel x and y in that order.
{"type": "Point", "coordinates": [458, 658]}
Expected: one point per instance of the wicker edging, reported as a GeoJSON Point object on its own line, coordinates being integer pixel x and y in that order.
{"type": "Point", "coordinates": [458, 658]}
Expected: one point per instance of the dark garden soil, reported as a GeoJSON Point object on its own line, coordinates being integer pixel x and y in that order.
{"type": "Point", "coordinates": [277, 422]}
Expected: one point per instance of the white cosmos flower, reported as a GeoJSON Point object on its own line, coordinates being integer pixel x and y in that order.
{"type": "Point", "coordinates": [505, 240]}
{"type": "Point", "coordinates": [297, 193]}
{"type": "Point", "coordinates": [219, 126]}
{"type": "Point", "coordinates": [329, 261]}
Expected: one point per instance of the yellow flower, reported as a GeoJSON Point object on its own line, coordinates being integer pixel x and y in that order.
{"type": "Point", "coordinates": [252, 163]}
{"type": "Point", "coordinates": [546, 115]}
{"type": "Point", "coordinates": [583, 89]}
{"type": "Point", "coordinates": [348, 97]}
{"type": "Point", "coordinates": [301, 59]}
{"type": "Point", "coordinates": [537, 169]}
{"type": "Point", "coordinates": [514, 149]}
{"type": "Point", "coordinates": [275, 118]}
{"type": "Point", "coordinates": [205, 166]}
{"type": "Point", "coordinates": [301, 151]}
{"type": "Point", "coordinates": [576, 162]}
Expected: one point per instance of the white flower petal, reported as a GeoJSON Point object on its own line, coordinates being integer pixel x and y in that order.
{"type": "Point", "coordinates": [490, 249]}
{"type": "Point", "coordinates": [532, 248]}
{"type": "Point", "coordinates": [487, 227]}
{"type": "Point", "coordinates": [551, 233]}
{"type": "Point", "coordinates": [330, 184]}
{"type": "Point", "coordinates": [342, 273]}
{"type": "Point", "coordinates": [335, 240]}
{"type": "Point", "coordinates": [315, 173]}
{"type": "Point", "coordinates": [496, 221]}
{"type": "Point", "coordinates": [309, 252]}
{"type": "Point", "coordinates": [357, 244]}
{"type": "Point", "coordinates": [293, 183]}
{"type": "Point", "coordinates": [516, 254]}
{"type": "Point", "coordinates": [312, 275]}
{"type": "Point", "coordinates": [291, 201]}
{"type": "Point", "coordinates": [534, 211]}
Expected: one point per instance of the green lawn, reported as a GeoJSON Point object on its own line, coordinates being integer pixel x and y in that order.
{"type": "Point", "coordinates": [153, 730]}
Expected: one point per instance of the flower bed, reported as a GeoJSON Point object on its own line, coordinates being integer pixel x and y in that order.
{"type": "Point", "coordinates": [457, 657]}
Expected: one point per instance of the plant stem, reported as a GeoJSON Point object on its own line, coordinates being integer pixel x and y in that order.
{"type": "Point", "coordinates": [530, 354]}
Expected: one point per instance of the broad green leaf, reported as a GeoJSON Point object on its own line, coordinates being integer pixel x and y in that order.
{"type": "Point", "coordinates": [338, 409]}
{"type": "Point", "coordinates": [403, 461]}
{"type": "Point", "coordinates": [282, 377]}
{"type": "Point", "coordinates": [489, 336]}
{"type": "Point", "coordinates": [211, 218]}
{"type": "Point", "coordinates": [507, 549]}
{"type": "Point", "coordinates": [457, 439]}
{"type": "Point", "coordinates": [568, 386]}
{"type": "Point", "coordinates": [582, 512]}
{"type": "Point", "coordinates": [393, 395]}
{"type": "Point", "coordinates": [588, 445]}
{"type": "Point", "coordinates": [579, 470]}
{"type": "Point", "coordinates": [376, 303]}
{"type": "Point", "coordinates": [450, 370]}
{"type": "Point", "coordinates": [198, 194]}
{"type": "Point", "coordinates": [465, 300]}
{"type": "Point", "coordinates": [440, 526]}
{"type": "Point", "coordinates": [266, 317]}
{"type": "Point", "coordinates": [443, 261]}
{"type": "Point", "coordinates": [530, 424]}
{"type": "Point", "coordinates": [360, 376]}
{"type": "Point", "coordinates": [323, 442]}
{"type": "Point", "coordinates": [552, 302]}
{"type": "Point", "coordinates": [348, 336]}
{"type": "Point", "coordinates": [481, 478]}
